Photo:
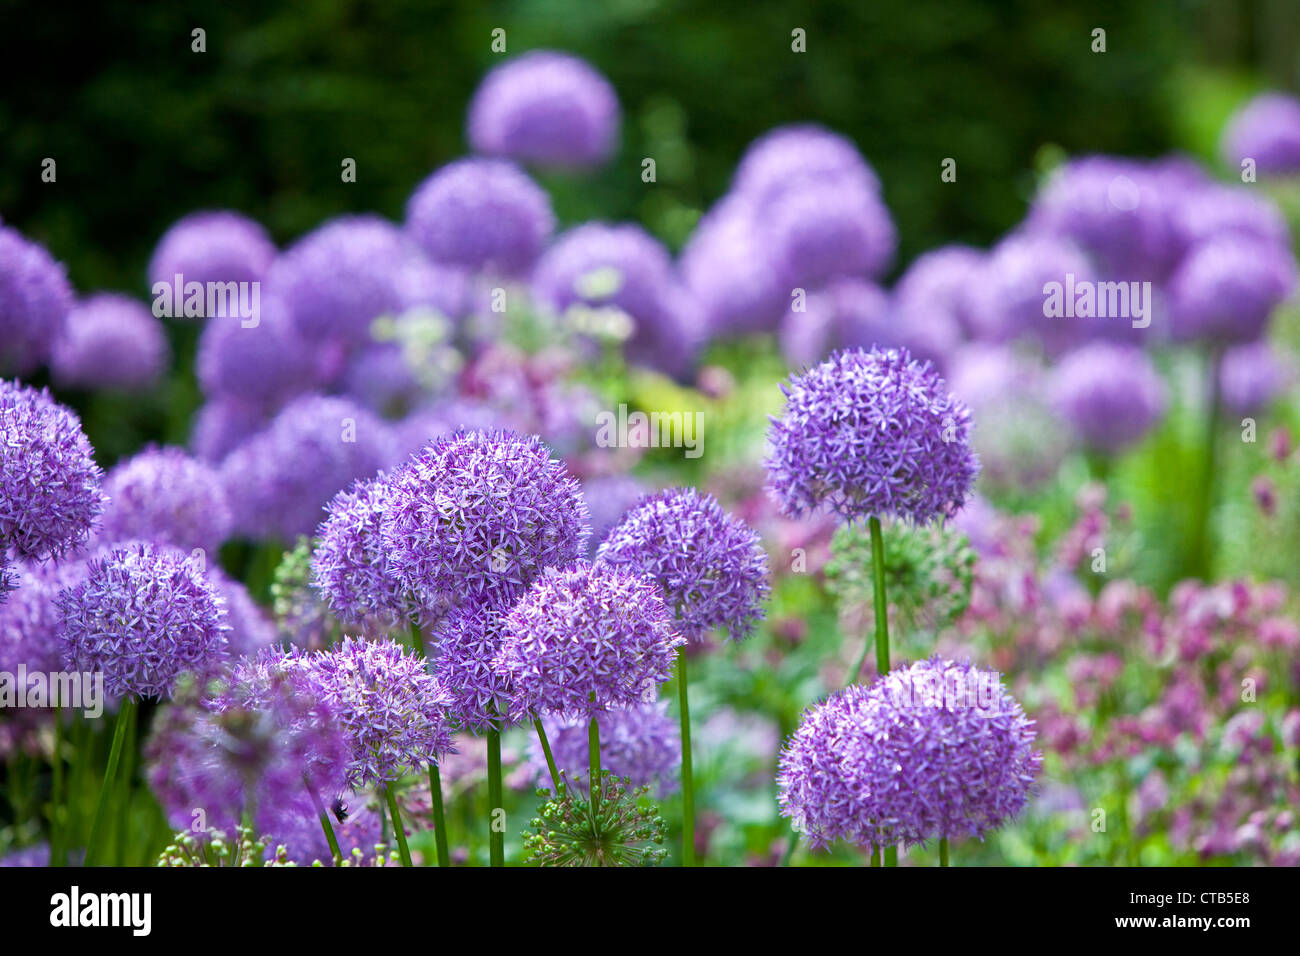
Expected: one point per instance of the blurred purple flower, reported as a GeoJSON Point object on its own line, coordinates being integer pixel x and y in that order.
{"type": "Point", "coordinates": [164, 495]}
{"type": "Point", "coordinates": [34, 300]}
{"type": "Point", "coordinates": [1267, 130]}
{"type": "Point", "coordinates": [110, 341]}
{"type": "Point", "coordinates": [1111, 395]}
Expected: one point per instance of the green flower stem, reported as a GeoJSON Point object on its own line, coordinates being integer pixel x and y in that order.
{"type": "Point", "coordinates": [325, 825]}
{"type": "Point", "coordinates": [94, 846]}
{"type": "Point", "coordinates": [790, 849]}
{"type": "Point", "coordinates": [891, 856]}
{"type": "Point", "coordinates": [875, 856]}
{"type": "Point", "coordinates": [882, 626]}
{"type": "Point", "coordinates": [688, 777]}
{"type": "Point", "coordinates": [550, 759]}
{"type": "Point", "coordinates": [593, 768]}
{"type": "Point", "coordinates": [943, 851]}
{"type": "Point", "coordinates": [1199, 553]}
{"type": "Point", "coordinates": [400, 831]}
{"type": "Point", "coordinates": [57, 821]}
{"type": "Point", "coordinates": [496, 839]}
{"type": "Point", "coordinates": [439, 816]}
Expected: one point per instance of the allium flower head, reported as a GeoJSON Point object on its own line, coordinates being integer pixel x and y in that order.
{"type": "Point", "coordinates": [350, 562]}
{"type": "Point", "coordinates": [260, 365]}
{"type": "Point", "coordinates": [278, 480]}
{"type": "Point", "coordinates": [34, 300]}
{"type": "Point", "coordinates": [479, 515]}
{"type": "Point", "coordinates": [1111, 395]}
{"type": "Point", "coordinates": [30, 625]}
{"type": "Point", "coordinates": [213, 246]}
{"type": "Point", "coordinates": [49, 482]}
{"type": "Point", "coordinates": [546, 108]}
{"type": "Point", "coordinates": [587, 639]}
{"type": "Point", "coordinates": [821, 230]}
{"type": "Point", "coordinates": [481, 214]}
{"type": "Point", "coordinates": [791, 156]}
{"type": "Point", "coordinates": [1216, 210]}
{"type": "Point", "coordinates": [940, 282]}
{"type": "Point", "coordinates": [143, 616]}
{"type": "Point", "coordinates": [393, 711]}
{"type": "Point", "coordinates": [871, 434]}
{"type": "Point", "coordinates": [1226, 289]}
{"type": "Point", "coordinates": [348, 272]}
{"type": "Point", "coordinates": [710, 565]}
{"type": "Point", "coordinates": [110, 341]}
{"type": "Point", "coordinates": [251, 630]}
{"type": "Point", "coordinates": [469, 640]}
{"type": "Point", "coordinates": [164, 495]}
{"type": "Point", "coordinates": [639, 743]}
{"type": "Point", "coordinates": [1251, 376]}
{"type": "Point", "coordinates": [935, 750]}
{"type": "Point", "coordinates": [223, 424]}
{"type": "Point", "coordinates": [1266, 130]}
{"type": "Point", "coordinates": [264, 740]}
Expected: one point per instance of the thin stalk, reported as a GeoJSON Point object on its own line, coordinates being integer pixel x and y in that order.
{"type": "Point", "coordinates": [1199, 552]}
{"type": "Point", "coordinates": [891, 856]}
{"type": "Point", "coordinates": [325, 825]}
{"type": "Point", "coordinates": [943, 851]}
{"type": "Point", "coordinates": [593, 767]}
{"type": "Point", "coordinates": [875, 856]}
{"type": "Point", "coordinates": [57, 835]}
{"type": "Point", "coordinates": [439, 816]}
{"type": "Point", "coordinates": [93, 845]}
{"type": "Point", "coordinates": [400, 831]}
{"type": "Point", "coordinates": [881, 608]}
{"type": "Point", "coordinates": [790, 849]}
{"type": "Point", "coordinates": [688, 776]}
{"type": "Point", "coordinates": [123, 799]}
{"type": "Point", "coordinates": [550, 759]}
{"type": "Point", "coordinates": [496, 838]}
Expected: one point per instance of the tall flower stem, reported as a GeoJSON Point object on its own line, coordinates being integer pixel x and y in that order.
{"type": "Point", "coordinates": [943, 851]}
{"type": "Point", "coordinates": [399, 831]}
{"type": "Point", "coordinates": [57, 818]}
{"type": "Point", "coordinates": [550, 758]}
{"type": "Point", "coordinates": [882, 627]}
{"type": "Point", "coordinates": [593, 767]}
{"type": "Point", "coordinates": [688, 777]}
{"type": "Point", "coordinates": [496, 838]}
{"type": "Point", "coordinates": [435, 779]}
{"type": "Point", "coordinates": [439, 816]}
{"type": "Point", "coordinates": [325, 825]}
{"type": "Point", "coordinates": [94, 846]}
{"type": "Point", "coordinates": [1199, 553]}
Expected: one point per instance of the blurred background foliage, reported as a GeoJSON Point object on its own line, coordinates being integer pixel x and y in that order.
{"type": "Point", "coordinates": [144, 130]}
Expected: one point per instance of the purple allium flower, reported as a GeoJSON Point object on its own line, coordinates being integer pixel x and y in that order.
{"type": "Point", "coordinates": [266, 740]}
{"type": "Point", "coordinates": [848, 313]}
{"type": "Point", "coordinates": [820, 230]}
{"type": "Point", "coordinates": [482, 215]}
{"type": "Point", "coordinates": [1211, 212]}
{"type": "Point", "coordinates": [710, 565]}
{"type": "Point", "coordinates": [609, 498]}
{"type": "Point", "coordinates": [393, 711]}
{"type": "Point", "coordinates": [1020, 440]}
{"type": "Point", "coordinates": [38, 854]}
{"type": "Point", "coordinates": [478, 515]}
{"type": "Point", "coordinates": [164, 495]}
{"type": "Point", "coordinates": [251, 629]}
{"type": "Point", "coordinates": [278, 481]}
{"type": "Point", "coordinates": [34, 300]}
{"type": "Point", "coordinates": [585, 640]}
{"type": "Point", "coordinates": [350, 562]}
{"type": "Point", "coordinates": [795, 155]}
{"type": "Point", "coordinates": [348, 272]}
{"type": "Point", "coordinates": [49, 482]}
{"type": "Point", "coordinates": [110, 341]}
{"type": "Point", "coordinates": [223, 424]}
{"type": "Point", "coordinates": [546, 108]}
{"type": "Point", "coordinates": [935, 750]}
{"type": "Point", "coordinates": [1111, 395]}
{"type": "Point", "coordinates": [622, 266]}
{"type": "Point", "coordinates": [30, 624]}
{"type": "Point", "coordinates": [639, 742]}
{"type": "Point", "coordinates": [1008, 300]}
{"type": "Point", "coordinates": [1227, 287]}
{"type": "Point", "coordinates": [1267, 130]}
{"type": "Point", "coordinates": [1119, 210]}
{"type": "Point", "coordinates": [469, 640]}
{"type": "Point", "coordinates": [940, 283]}
{"type": "Point", "coordinates": [732, 272]}
{"type": "Point", "coordinates": [260, 365]}
{"type": "Point", "coordinates": [1251, 376]}
{"type": "Point", "coordinates": [213, 246]}
{"type": "Point", "coordinates": [382, 378]}
{"type": "Point", "coordinates": [143, 616]}
{"type": "Point", "coordinates": [871, 434]}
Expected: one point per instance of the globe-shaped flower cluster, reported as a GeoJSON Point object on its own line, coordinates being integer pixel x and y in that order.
{"type": "Point", "coordinates": [110, 341]}
{"type": "Point", "coordinates": [871, 434]}
{"type": "Point", "coordinates": [478, 515]}
{"type": "Point", "coordinates": [934, 750]}
{"type": "Point", "coordinates": [469, 641]}
{"type": "Point", "coordinates": [164, 495]}
{"type": "Point", "coordinates": [586, 639]}
{"type": "Point", "coordinates": [710, 565]}
{"type": "Point", "coordinates": [34, 300]}
{"type": "Point", "coordinates": [1111, 395]}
